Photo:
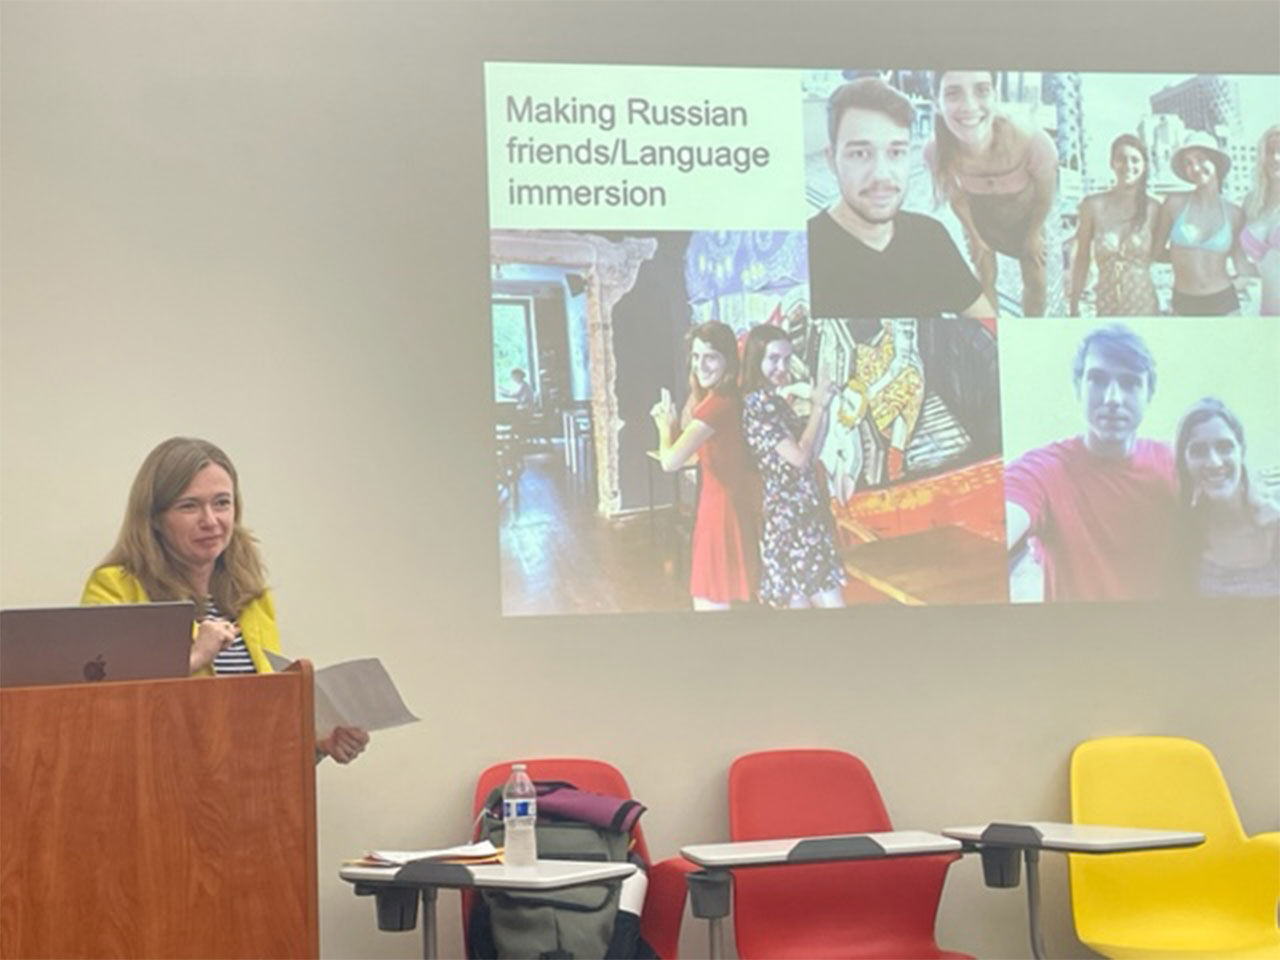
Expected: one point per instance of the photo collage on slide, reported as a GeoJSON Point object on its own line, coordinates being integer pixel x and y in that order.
{"type": "Point", "coordinates": [840, 337]}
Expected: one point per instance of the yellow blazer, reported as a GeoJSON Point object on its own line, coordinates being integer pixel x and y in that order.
{"type": "Point", "coordinates": [257, 621]}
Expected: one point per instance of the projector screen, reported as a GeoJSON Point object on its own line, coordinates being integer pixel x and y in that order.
{"type": "Point", "coordinates": [1016, 284]}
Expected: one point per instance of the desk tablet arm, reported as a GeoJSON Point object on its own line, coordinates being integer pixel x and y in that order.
{"type": "Point", "coordinates": [664, 905]}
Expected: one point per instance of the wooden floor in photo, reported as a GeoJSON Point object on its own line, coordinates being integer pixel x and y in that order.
{"type": "Point", "coordinates": [559, 556]}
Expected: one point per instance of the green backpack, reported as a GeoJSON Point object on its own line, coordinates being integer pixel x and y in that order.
{"type": "Point", "coordinates": [578, 922]}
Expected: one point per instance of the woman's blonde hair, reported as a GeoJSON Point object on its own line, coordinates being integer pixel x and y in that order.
{"type": "Point", "coordinates": [167, 471]}
{"type": "Point", "coordinates": [1264, 192]}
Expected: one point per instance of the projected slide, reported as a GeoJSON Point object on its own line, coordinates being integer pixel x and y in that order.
{"type": "Point", "coordinates": [795, 338]}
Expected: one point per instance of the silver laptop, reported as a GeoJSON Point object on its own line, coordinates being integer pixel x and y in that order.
{"type": "Point", "coordinates": [90, 644]}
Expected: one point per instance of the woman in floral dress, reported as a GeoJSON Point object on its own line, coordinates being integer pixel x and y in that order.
{"type": "Point", "coordinates": [799, 563]}
{"type": "Point", "coordinates": [1115, 230]}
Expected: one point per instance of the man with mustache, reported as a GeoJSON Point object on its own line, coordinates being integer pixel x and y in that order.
{"type": "Point", "coordinates": [1102, 506]}
{"type": "Point", "coordinates": [867, 258]}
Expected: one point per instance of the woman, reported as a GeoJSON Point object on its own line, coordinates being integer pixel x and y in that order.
{"type": "Point", "coordinates": [799, 563]}
{"type": "Point", "coordinates": [1116, 228]}
{"type": "Point", "coordinates": [1232, 534]}
{"type": "Point", "coordinates": [1196, 229]}
{"type": "Point", "coordinates": [1260, 238]}
{"type": "Point", "coordinates": [182, 540]}
{"type": "Point", "coordinates": [724, 561]}
{"type": "Point", "coordinates": [1000, 180]}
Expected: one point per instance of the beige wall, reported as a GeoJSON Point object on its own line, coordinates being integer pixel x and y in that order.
{"type": "Point", "coordinates": [264, 223]}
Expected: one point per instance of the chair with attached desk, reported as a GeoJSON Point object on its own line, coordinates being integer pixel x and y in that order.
{"type": "Point", "coordinates": [663, 909]}
{"type": "Point", "coordinates": [880, 909]}
{"type": "Point", "coordinates": [1216, 899]}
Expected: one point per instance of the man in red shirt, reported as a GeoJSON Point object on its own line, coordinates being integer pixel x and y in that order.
{"type": "Point", "coordinates": [1101, 506]}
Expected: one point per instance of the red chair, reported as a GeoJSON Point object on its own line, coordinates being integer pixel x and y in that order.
{"type": "Point", "coordinates": [873, 909]}
{"type": "Point", "coordinates": [664, 900]}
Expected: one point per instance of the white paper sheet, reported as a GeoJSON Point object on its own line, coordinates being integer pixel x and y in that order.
{"type": "Point", "coordinates": [355, 693]}
{"type": "Point", "coordinates": [469, 851]}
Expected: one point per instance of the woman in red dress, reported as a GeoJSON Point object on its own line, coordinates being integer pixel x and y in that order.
{"type": "Point", "coordinates": [723, 567]}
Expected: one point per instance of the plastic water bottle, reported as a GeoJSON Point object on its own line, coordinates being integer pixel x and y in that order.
{"type": "Point", "coordinates": [519, 814]}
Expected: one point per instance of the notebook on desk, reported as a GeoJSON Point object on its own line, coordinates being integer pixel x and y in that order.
{"type": "Point", "coordinates": [89, 644]}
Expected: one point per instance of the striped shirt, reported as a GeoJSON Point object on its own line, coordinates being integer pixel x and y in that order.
{"type": "Point", "coordinates": [235, 658]}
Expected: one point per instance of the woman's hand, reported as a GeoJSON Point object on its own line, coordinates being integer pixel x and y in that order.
{"type": "Point", "coordinates": [211, 637]}
{"type": "Point", "coordinates": [824, 391]}
{"type": "Point", "coordinates": [344, 744]}
{"type": "Point", "coordinates": [800, 453]}
{"type": "Point", "coordinates": [664, 414]}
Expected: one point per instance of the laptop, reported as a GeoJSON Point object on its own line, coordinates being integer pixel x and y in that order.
{"type": "Point", "coordinates": [91, 644]}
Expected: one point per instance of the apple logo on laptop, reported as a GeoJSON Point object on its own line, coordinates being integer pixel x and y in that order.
{"type": "Point", "coordinates": [95, 669]}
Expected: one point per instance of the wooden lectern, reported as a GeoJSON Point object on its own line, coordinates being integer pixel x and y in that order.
{"type": "Point", "coordinates": [159, 818]}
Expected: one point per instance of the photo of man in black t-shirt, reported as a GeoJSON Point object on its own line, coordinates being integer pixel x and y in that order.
{"type": "Point", "coordinates": [867, 257]}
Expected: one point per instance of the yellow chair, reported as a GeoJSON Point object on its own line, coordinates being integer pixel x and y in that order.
{"type": "Point", "coordinates": [1215, 900]}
